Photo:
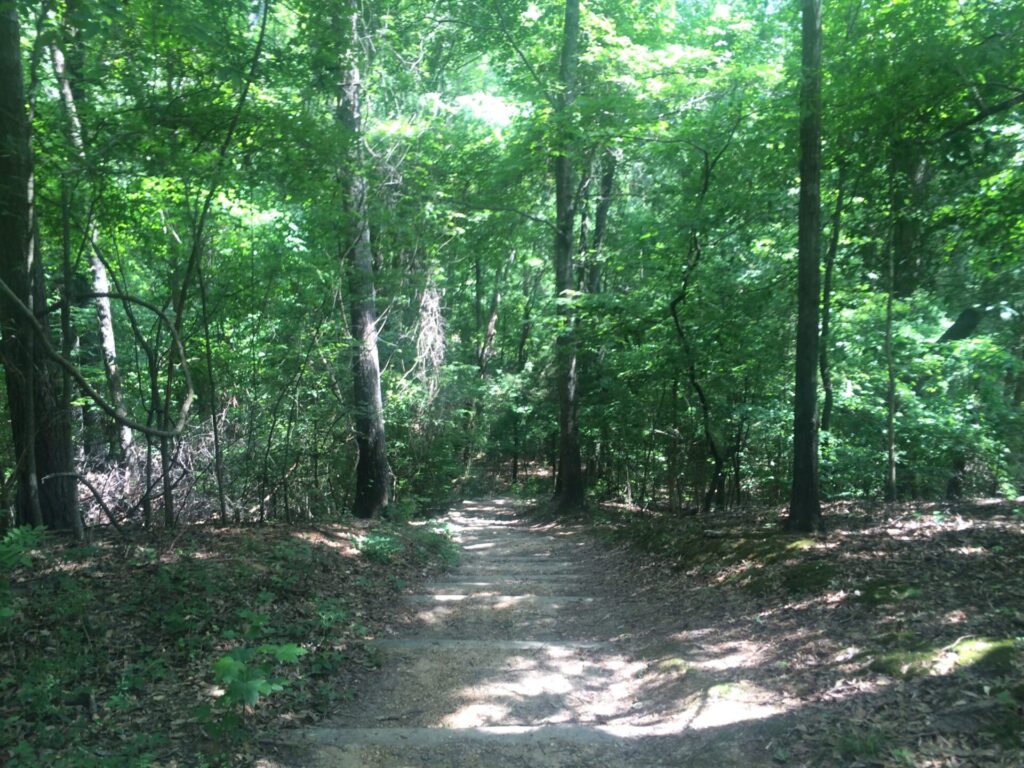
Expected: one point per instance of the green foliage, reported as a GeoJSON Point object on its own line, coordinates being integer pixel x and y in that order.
{"type": "Point", "coordinates": [418, 543]}
{"type": "Point", "coordinates": [15, 552]}
{"type": "Point", "coordinates": [247, 674]}
{"type": "Point", "coordinates": [16, 547]}
{"type": "Point", "coordinates": [380, 546]}
{"type": "Point", "coordinates": [694, 102]}
{"type": "Point", "coordinates": [258, 613]}
{"type": "Point", "coordinates": [865, 744]}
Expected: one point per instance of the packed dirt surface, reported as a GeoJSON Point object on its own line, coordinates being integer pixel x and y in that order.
{"type": "Point", "coordinates": [535, 651]}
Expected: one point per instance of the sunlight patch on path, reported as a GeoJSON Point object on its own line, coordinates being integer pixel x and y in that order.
{"type": "Point", "coordinates": [525, 652]}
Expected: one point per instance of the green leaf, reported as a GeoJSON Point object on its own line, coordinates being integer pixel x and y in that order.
{"type": "Point", "coordinates": [227, 669]}
{"type": "Point", "coordinates": [288, 653]}
{"type": "Point", "coordinates": [247, 691]}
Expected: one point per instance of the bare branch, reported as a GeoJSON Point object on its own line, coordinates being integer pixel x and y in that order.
{"type": "Point", "coordinates": [87, 388]}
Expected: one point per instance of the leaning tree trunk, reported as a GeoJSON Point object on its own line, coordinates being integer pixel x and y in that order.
{"type": "Point", "coordinates": [40, 431]}
{"type": "Point", "coordinates": [373, 474]}
{"type": "Point", "coordinates": [569, 483]}
{"type": "Point", "coordinates": [805, 506]}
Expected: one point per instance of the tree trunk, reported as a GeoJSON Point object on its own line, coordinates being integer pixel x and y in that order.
{"type": "Point", "coordinates": [826, 303]}
{"type": "Point", "coordinates": [121, 435]}
{"type": "Point", "coordinates": [570, 493]}
{"type": "Point", "coordinates": [373, 473]}
{"type": "Point", "coordinates": [69, 342]}
{"type": "Point", "coordinates": [604, 204]}
{"type": "Point", "coordinates": [218, 453]}
{"type": "Point", "coordinates": [805, 505]}
{"type": "Point", "coordinates": [675, 499]}
{"type": "Point", "coordinates": [890, 390]}
{"type": "Point", "coordinates": [715, 495]}
{"type": "Point", "coordinates": [40, 431]}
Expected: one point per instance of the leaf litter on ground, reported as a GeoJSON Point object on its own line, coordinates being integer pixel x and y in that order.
{"type": "Point", "coordinates": [895, 640]}
{"type": "Point", "coordinates": [180, 648]}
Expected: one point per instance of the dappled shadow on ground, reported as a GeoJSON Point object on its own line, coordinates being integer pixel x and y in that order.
{"type": "Point", "coordinates": [892, 641]}
{"type": "Point", "coordinates": [895, 639]}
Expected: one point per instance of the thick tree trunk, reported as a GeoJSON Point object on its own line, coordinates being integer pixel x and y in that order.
{"type": "Point", "coordinates": [40, 430]}
{"type": "Point", "coordinates": [569, 484]}
{"type": "Point", "coordinates": [373, 473]}
{"type": "Point", "coordinates": [805, 505]}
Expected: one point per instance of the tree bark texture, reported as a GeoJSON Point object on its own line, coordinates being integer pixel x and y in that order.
{"type": "Point", "coordinates": [569, 484]}
{"type": "Point", "coordinates": [373, 473]}
{"type": "Point", "coordinates": [40, 431]}
{"type": "Point", "coordinates": [805, 505]}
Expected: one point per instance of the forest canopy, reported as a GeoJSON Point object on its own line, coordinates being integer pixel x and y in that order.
{"type": "Point", "coordinates": [281, 260]}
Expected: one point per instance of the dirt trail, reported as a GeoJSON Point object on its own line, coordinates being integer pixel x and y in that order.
{"type": "Point", "coordinates": [533, 653]}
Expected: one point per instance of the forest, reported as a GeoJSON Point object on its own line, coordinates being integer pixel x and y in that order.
{"type": "Point", "coordinates": [676, 270]}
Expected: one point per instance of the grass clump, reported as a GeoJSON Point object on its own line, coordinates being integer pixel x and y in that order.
{"type": "Point", "coordinates": [866, 744]}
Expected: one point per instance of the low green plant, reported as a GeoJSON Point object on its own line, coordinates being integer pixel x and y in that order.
{"type": "Point", "coordinates": [861, 744]}
{"type": "Point", "coordinates": [380, 546]}
{"type": "Point", "coordinates": [247, 674]}
{"type": "Point", "coordinates": [15, 552]}
{"type": "Point", "coordinates": [434, 542]}
{"type": "Point", "coordinates": [331, 612]}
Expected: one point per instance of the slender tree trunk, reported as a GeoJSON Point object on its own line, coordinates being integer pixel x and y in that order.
{"type": "Point", "coordinates": [909, 196]}
{"type": "Point", "coordinates": [604, 204]}
{"type": "Point", "coordinates": [890, 391]}
{"type": "Point", "coordinates": [68, 337]}
{"type": "Point", "coordinates": [714, 496]}
{"type": "Point", "coordinates": [121, 435]}
{"type": "Point", "coordinates": [826, 303]}
{"type": "Point", "coordinates": [805, 505]}
{"type": "Point", "coordinates": [218, 454]}
{"type": "Point", "coordinates": [736, 455]}
{"type": "Point", "coordinates": [570, 494]}
{"type": "Point", "coordinates": [373, 473]}
{"type": "Point", "coordinates": [675, 500]}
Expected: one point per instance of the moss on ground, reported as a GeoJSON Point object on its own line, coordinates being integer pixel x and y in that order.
{"type": "Point", "coordinates": [988, 656]}
{"type": "Point", "coordinates": [908, 656]}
